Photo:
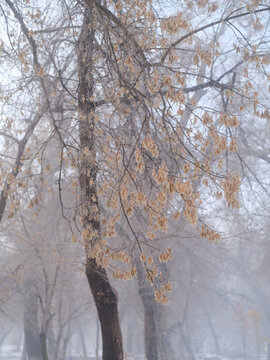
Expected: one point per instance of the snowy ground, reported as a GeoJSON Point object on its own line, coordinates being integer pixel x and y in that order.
{"type": "Point", "coordinates": [8, 353]}
{"type": "Point", "coordinates": [16, 356]}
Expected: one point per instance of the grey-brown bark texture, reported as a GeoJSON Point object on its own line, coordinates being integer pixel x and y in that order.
{"type": "Point", "coordinates": [31, 327]}
{"type": "Point", "coordinates": [150, 325]}
{"type": "Point", "coordinates": [105, 296]}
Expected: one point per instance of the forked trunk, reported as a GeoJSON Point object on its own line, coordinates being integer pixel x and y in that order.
{"type": "Point", "coordinates": [104, 295]}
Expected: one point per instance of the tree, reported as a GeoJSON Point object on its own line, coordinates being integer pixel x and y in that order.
{"type": "Point", "coordinates": [138, 147]}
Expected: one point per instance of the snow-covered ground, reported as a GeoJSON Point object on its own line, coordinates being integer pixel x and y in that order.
{"type": "Point", "coordinates": [208, 356]}
{"type": "Point", "coordinates": [9, 353]}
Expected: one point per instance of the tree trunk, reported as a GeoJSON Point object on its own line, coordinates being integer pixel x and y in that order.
{"type": "Point", "coordinates": [106, 302]}
{"type": "Point", "coordinates": [156, 342]}
{"type": "Point", "coordinates": [212, 329]}
{"type": "Point", "coordinates": [30, 318]}
{"type": "Point", "coordinates": [51, 343]}
{"type": "Point", "coordinates": [82, 342]}
{"type": "Point", "coordinates": [130, 336]}
{"type": "Point", "coordinates": [43, 339]}
{"type": "Point", "coordinates": [157, 345]}
{"type": "Point", "coordinates": [105, 296]}
{"type": "Point", "coordinates": [150, 329]}
{"type": "Point", "coordinates": [150, 336]}
{"type": "Point", "coordinates": [24, 351]}
{"type": "Point", "coordinates": [187, 343]}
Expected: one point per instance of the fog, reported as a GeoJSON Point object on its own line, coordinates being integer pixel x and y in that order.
{"type": "Point", "coordinates": [134, 179]}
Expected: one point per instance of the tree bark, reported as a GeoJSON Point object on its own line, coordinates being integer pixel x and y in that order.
{"type": "Point", "coordinates": [43, 340]}
{"type": "Point", "coordinates": [105, 296]}
{"type": "Point", "coordinates": [51, 343]}
{"type": "Point", "coordinates": [150, 336]}
{"type": "Point", "coordinates": [150, 328]}
{"type": "Point", "coordinates": [30, 318]}
{"type": "Point", "coordinates": [106, 302]}
{"type": "Point", "coordinates": [157, 345]}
